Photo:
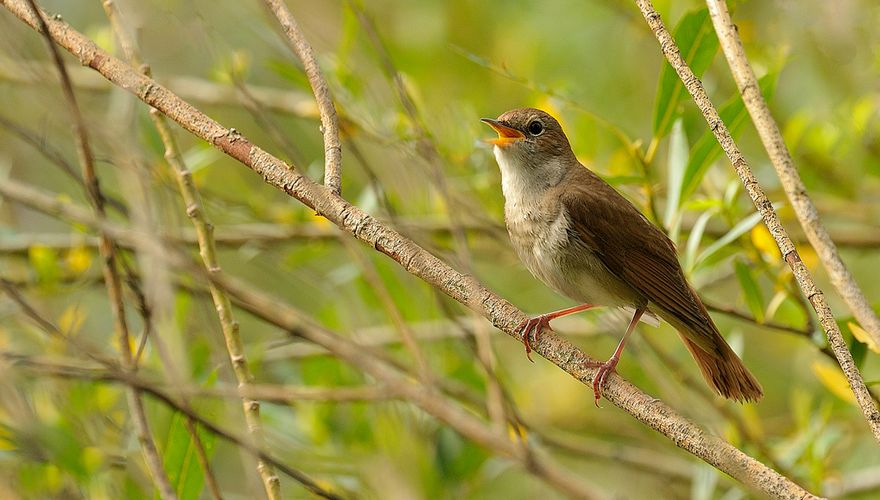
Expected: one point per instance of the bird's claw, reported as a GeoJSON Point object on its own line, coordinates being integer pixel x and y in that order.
{"type": "Point", "coordinates": [604, 369]}
{"type": "Point", "coordinates": [532, 327]}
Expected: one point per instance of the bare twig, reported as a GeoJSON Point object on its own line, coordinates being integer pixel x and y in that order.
{"type": "Point", "coordinates": [428, 151]}
{"type": "Point", "coordinates": [329, 120]}
{"type": "Point", "coordinates": [106, 248]}
{"type": "Point", "coordinates": [136, 383]}
{"type": "Point", "coordinates": [794, 188]}
{"type": "Point", "coordinates": [288, 101]}
{"type": "Point", "coordinates": [207, 249]}
{"type": "Point", "coordinates": [418, 262]}
{"type": "Point", "coordinates": [291, 320]}
{"type": "Point", "coordinates": [228, 323]}
{"type": "Point", "coordinates": [768, 214]}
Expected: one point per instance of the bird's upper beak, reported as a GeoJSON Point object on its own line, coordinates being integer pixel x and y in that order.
{"type": "Point", "coordinates": [506, 135]}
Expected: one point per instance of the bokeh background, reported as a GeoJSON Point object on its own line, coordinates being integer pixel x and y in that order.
{"type": "Point", "coordinates": [410, 81]}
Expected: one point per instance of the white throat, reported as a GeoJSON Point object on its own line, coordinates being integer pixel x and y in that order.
{"type": "Point", "coordinates": [522, 184]}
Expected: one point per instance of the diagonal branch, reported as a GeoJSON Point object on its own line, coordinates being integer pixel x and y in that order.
{"type": "Point", "coordinates": [769, 216]}
{"type": "Point", "coordinates": [329, 119]}
{"type": "Point", "coordinates": [463, 288]}
{"type": "Point", "coordinates": [794, 188]}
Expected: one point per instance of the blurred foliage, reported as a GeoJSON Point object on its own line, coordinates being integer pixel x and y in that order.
{"type": "Point", "coordinates": [593, 64]}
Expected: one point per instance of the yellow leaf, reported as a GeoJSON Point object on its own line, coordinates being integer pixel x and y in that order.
{"type": "Point", "coordinates": [833, 379]}
{"type": "Point", "coordinates": [547, 104]}
{"type": "Point", "coordinates": [764, 242]}
{"type": "Point", "coordinates": [79, 259]}
{"type": "Point", "coordinates": [517, 433]}
{"type": "Point", "coordinates": [809, 257]}
{"type": "Point", "coordinates": [862, 336]}
{"type": "Point", "coordinates": [6, 443]}
{"type": "Point", "coordinates": [92, 458]}
{"type": "Point", "coordinates": [71, 320]}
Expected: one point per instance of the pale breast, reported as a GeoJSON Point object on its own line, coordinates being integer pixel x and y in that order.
{"type": "Point", "coordinates": [543, 243]}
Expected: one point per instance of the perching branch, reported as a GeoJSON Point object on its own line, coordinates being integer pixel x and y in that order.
{"type": "Point", "coordinates": [108, 258]}
{"type": "Point", "coordinates": [794, 188]}
{"type": "Point", "coordinates": [768, 215]}
{"type": "Point", "coordinates": [294, 322]}
{"type": "Point", "coordinates": [420, 263]}
{"type": "Point", "coordinates": [329, 119]}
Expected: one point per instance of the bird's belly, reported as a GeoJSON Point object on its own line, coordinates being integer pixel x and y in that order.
{"type": "Point", "coordinates": [570, 269]}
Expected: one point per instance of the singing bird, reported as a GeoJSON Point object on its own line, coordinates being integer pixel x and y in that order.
{"type": "Point", "coordinates": [584, 240]}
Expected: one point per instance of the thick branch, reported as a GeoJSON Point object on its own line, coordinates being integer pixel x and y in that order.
{"type": "Point", "coordinates": [421, 263]}
{"type": "Point", "coordinates": [768, 215]}
{"type": "Point", "coordinates": [794, 188]}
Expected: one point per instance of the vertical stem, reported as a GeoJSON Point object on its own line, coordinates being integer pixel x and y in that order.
{"type": "Point", "coordinates": [107, 250]}
{"type": "Point", "coordinates": [765, 208]}
{"type": "Point", "coordinates": [779, 155]}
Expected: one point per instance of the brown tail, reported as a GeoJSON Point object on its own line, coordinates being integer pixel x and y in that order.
{"type": "Point", "coordinates": [725, 372]}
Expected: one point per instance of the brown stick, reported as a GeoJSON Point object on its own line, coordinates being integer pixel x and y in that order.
{"type": "Point", "coordinates": [794, 188]}
{"type": "Point", "coordinates": [329, 119]}
{"type": "Point", "coordinates": [769, 216]}
{"type": "Point", "coordinates": [421, 263]}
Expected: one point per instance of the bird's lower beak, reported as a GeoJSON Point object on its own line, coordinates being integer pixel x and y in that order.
{"type": "Point", "coordinates": [506, 135]}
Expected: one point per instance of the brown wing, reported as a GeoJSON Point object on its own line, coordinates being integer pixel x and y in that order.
{"type": "Point", "coordinates": [637, 252]}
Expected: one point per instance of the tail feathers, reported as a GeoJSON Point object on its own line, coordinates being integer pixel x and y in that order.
{"type": "Point", "coordinates": [725, 372]}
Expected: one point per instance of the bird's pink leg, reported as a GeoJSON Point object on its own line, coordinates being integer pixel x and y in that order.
{"type": "Point", "coordinates": [609, 366]}
{"type": "Point", "coordinates": [534, 326]}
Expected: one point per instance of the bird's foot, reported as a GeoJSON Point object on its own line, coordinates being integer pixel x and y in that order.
{"type": "Point", "coordinates": [601, 375]}
{"type": "Point", "coordinates": [530, 330]}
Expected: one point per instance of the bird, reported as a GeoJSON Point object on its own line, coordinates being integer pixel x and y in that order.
{"type": "Point", "coordinates": [583, 239]}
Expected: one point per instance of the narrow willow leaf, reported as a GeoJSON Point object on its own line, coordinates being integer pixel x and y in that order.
{"type": "Point", "coordinates": [181, 462]}
{"type": "Point", "coordinates": [693, 243]}
{"type": "Point", "coordinates": [678, 157]}
{"type": "Point", "coordinates": [741, 228]}
{"type": "Point", "coordinates": [706, 150]}
{"type": "Point", "coordinates": [698, 44]}
{"type": "Point", "coordinates": [751, 290]}
{"type": "Point", "coordinates": [862, 336]}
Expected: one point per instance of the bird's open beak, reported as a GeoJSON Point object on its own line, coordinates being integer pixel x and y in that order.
{"type": "Point", "coordinates": [506, 135]}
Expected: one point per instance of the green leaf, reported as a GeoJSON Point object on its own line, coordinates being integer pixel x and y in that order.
{"type": "Point", "coordinates": [751, 290]}
{"type": "Point", "coordinates": [181, 461]}
{"type": "Point", "coordinates": [698, 44]}
{"type": "Point", "coordinates": [741, 228]}
{"type": "Point", "coordinates": [693, 242]}
{"type": "Point", "coordinates": [678, 157]}
{"type": "Point", "coordinates": [706, 149]}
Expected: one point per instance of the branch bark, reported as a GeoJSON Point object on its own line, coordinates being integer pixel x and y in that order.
{"type": "Point", "coordinates": [422, 264]}
{"type": "Point", "coordinates": [779, 155]}
{"type": "Point", "coordinates": [329, 119]}
{"type": "Point", "coordinates": [768, 215]}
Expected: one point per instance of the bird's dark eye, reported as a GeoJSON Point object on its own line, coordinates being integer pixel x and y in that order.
{"type": "Point", "coordinates": [536, 128]}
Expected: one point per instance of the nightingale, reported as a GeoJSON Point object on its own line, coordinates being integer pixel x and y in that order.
{"type": "Point", "coordinates": [583, 239]}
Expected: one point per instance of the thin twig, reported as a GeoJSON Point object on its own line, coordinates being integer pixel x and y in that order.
{"type": "Point", "coordinates": [329, 119]}
{"type": "Point", "coordinates": [368, 360]}
{"type": "Point", "coordinates": [428, 151]}
{"type": "Point", "coordinates": [768, 214]}
{"type": "Point", "coordinates": [207, 249]}
{"type": "Point", "coordinates": [418, 262]}
{"type": "Point", "coordinates": [106, 248]}
{"type": "Point", "coordinates": [791, 181]}
{"type": "Point", "coordinates": [136, 383]}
